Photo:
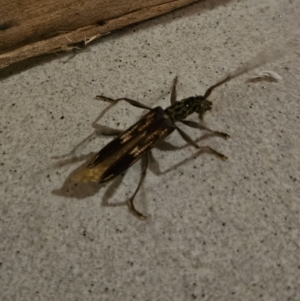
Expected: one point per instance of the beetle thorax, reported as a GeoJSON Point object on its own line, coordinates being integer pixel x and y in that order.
{"type": "Point", "coordinates": [181, 109]}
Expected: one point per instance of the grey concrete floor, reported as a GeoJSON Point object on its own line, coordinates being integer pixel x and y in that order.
{"type": "Point", "coordinates": [215, 230]}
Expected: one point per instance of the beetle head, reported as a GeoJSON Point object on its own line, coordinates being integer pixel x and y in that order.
{"type": "Point", "coordinates": [203, 105]}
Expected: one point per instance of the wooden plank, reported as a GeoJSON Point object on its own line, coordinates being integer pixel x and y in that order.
{"type": "Point", "coordinates": [35, 27]}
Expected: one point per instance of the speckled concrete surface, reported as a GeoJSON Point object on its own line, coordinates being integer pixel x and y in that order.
{"type": "Point", "coordinates": [215, 230]}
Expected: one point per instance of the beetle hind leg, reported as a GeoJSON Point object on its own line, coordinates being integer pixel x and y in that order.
{"type": "Point", "coordinates": [131, 207]}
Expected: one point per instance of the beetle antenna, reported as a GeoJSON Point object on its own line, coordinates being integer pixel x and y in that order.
{"type": "Point", "coordinates": [260, 59]}
{"type": "Point", "coordinates": [209, 90]}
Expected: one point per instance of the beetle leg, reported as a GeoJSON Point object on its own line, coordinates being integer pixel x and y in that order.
{"type": "Point", "coordinates": [145, 163]}
{"type": "Point", "coordinates": [200, 126]}
{"type": "Point", "coordinates": [130, 101]}
{"type": "Point", "coordinates": [210, 89]}
{"type": "Point", "coordinates": [173, 91]}
{"type": "Point", "coordinates": [99, 130]}
{"type": "Point", "coordinates": [189, 140]}
{"type": "Point", "coordinates": [114, 102]}
{"type": "Point", "coordinates": [75, 148]}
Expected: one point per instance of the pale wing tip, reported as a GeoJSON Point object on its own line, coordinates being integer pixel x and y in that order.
{"type": "Point", "coordinates": [87, 175]}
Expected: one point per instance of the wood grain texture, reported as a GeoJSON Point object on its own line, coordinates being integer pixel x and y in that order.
{"type": "Point", "coordinates": [35, 27]}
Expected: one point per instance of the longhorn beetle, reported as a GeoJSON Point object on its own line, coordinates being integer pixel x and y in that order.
{"type": "Point", "coordinates": [137, 141]}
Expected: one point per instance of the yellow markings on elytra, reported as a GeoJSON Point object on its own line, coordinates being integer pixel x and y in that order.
{"type": "Point", "coordinates": [125, 137]}
{"type": "Point", "coordinates": [149, 119]}
{"type": "Point", "coordinates": [136, 151]}
{"type": "Point", "coordinates": [139, 127]}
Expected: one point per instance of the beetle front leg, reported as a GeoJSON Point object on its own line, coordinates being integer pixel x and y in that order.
{"type": "Point", "coordinates": [198, 125]}
{"type": "Point", "coordinates": [206, 148]}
